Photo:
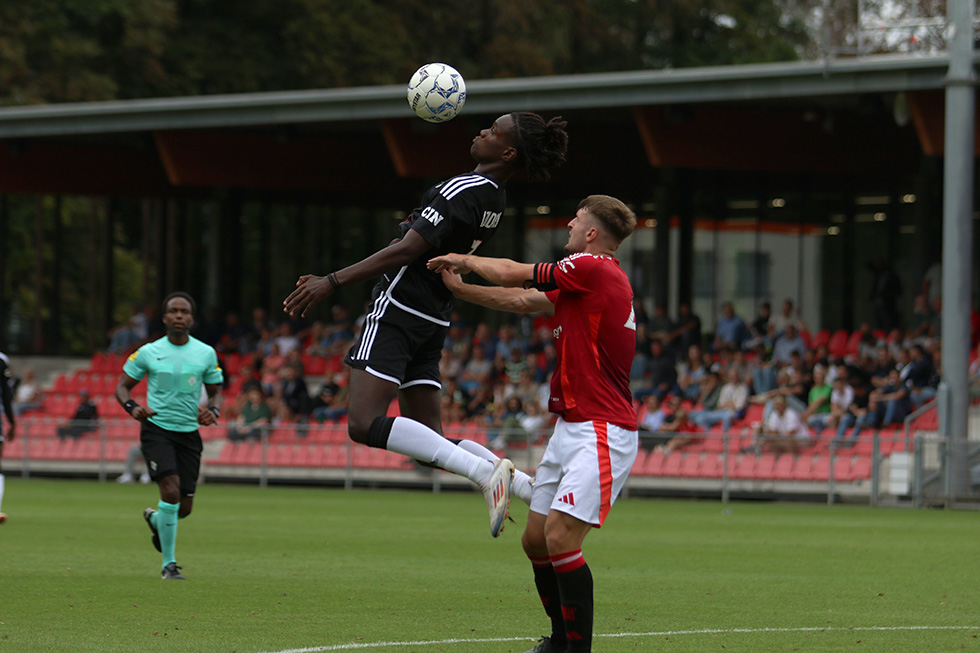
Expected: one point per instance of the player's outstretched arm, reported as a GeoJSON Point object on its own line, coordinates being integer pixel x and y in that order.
{"type": "Point", "coordinates": [311, 289]}
{"type": "Point", "coordinates": [512, 300]}
{"type": "Point", "coordinates": [500, 271]}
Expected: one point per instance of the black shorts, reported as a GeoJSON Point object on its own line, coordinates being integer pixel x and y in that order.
{"type": "Point", "coordinates": [397, 346]}
{"type": "Point", "coordinates": [169, 452]}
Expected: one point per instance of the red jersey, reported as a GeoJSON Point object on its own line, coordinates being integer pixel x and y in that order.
{"type": "Point", "coordinates": [595, 336]}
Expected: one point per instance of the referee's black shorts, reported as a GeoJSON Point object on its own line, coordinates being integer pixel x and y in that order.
{"type": "Point", "coordinates": [399, 347]}
{"type": "Point", "coordinates": [170, 452]}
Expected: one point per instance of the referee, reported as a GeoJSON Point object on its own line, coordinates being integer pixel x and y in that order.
{"type": "Point", "coordinates": [175, 366]}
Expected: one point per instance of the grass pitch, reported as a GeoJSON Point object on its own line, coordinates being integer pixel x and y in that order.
{"type": "Point", "coordinates": [324, 569]}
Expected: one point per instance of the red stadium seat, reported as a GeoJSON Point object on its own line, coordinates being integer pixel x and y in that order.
{"type": "Point", "coordinates": [837, 345]}
{"type": "Point", "coordinates": [842, 470]}
{"type": "Point", "coordinates": [783, 469]}
{"type": "Point", "coordinates": [690, 468]}
{"type": "Point", "coordinates": [641, 459]}
{"type": "Point", "coordinates": [712, 465]}
{"type": "Point", "coordinates": [807, 338]}
{"type": "Point", "coordinates": [854, 342]}
{"type": "Point", "coordinates": [822, 337]}
{"type": "Point", "coordinates": [861, 469]}
{"type": "Point", "coordinates": [654, 464]}
{"type": "Point", "coordinates": [672, 464]}
{"type": "Point", "coordinates": [765, 465]}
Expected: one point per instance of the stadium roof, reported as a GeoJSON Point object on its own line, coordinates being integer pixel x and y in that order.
{"type": "Point", "coordinates": [592, 91]}
{"type": "Point", "coordinates": [826, 117]}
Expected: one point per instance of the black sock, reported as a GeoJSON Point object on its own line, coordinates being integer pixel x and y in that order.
{"type": "Point", "coordinates": [575, 587]}
{"type": "Point", "coordinates": [379, 431]}
{"type": "Point", "coordinates": [546, 581]}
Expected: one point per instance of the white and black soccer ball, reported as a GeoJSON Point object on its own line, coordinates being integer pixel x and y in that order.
{"type": "Point", "coordinates": [436, 92]}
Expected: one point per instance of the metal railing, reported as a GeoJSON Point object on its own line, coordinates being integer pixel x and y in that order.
{"type": "Point", "coordinates": [105, 445]}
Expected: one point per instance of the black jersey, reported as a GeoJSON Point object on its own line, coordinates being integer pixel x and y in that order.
{"type": "Point", "coordinates": [6, 392]}
{"type": "Point", "coordinates": [456, 216]}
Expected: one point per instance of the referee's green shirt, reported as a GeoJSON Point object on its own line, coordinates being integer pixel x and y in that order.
{"type": "Point", "coordinates": [175, 375]}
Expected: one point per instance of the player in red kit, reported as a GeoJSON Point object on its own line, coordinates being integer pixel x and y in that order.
{"type": "Point", "coordinates": [594, 445]}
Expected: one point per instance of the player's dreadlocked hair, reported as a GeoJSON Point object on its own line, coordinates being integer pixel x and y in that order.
{"type": "Point", "coordinates": [542, 144]}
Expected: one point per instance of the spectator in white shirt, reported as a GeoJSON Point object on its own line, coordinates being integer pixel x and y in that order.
{"type": "Point", "coordinates": [783, 431]}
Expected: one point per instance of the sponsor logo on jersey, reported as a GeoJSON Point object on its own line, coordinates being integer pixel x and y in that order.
{"type": "Point", "coordinates": [432, 215]}
{"type": "Point", "coordinates": [490, 220]}
{"type": "Point", "coordinates": [557, 332]}
{"type": "Point", "coordinates": [631, 322]}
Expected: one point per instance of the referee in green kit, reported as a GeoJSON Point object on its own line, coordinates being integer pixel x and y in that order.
{"type": "Point", "coordinates": [175, 366]}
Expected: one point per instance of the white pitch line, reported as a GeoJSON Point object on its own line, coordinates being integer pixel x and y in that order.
{"type": "Point", "coordinates": [663, 633]}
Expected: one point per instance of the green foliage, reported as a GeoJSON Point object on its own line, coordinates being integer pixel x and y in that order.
{"type": "Point", "coordinates": [74, 50]}
{"type": "Point", "coordinates": [55, 272]}
{"type": "Point", "coordinates": [298, 568]}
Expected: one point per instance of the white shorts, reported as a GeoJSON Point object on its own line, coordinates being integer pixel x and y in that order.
{"type": "Point", "coordinates": [583, 470]}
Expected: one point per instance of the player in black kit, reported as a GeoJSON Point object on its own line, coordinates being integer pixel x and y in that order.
{"type": "Point", "coordinates": [398, 351]}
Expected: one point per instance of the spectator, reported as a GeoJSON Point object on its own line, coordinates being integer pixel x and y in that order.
{"type": "Point", "coordinates": [534, 420]}
{"type": "Point", "coordinates": [133, 457]}
{"type": "Point", "coordinates": [921, 321]}
{"type": "Point", "coordinates": [330, 404]}
{"type": "Point", "coordinates": [685, 430]}
{"type": "Point", "coordinates": [932, 283]}
{"type": "Point", "coordinates": [787, 343]}
{"type": "Point", "coordinates": [731, 330]}
{"type": "Point", "coordinates": [759, 329]}
{"type": "Point", "coordinates": [661, 376]}
{"type": "Point", "coordinates": [285, 340]}
{"type": "Point", "coordinates": [882, 366]}
{"type": "Point", "coordinates": [687, 329]}
{"type": "Point", "coordinates": [887, 405]}
{"type": "Point", "coordinates": [477, 371]}
{"type": "Point", "coordinates": [124, 337]}
{"type": "Point", "coordinates": [922, 378]}
{"type": "Point", "coordinates": [27, 394]}
{"type": "Point", "coordinates": [765, 378]}
{"type": "Point", "coordinates": [787, 316]}
{"type": "Point", "coordinates": [733, 399]}
{"type": "Point", "coordinates": [83, 421]}
{"type": "Point", "coordinates": [253, 417]}
{"type": "Point", "coordinates": [818, 400]}
{"type": "Point", "coordinates": [691, 373]}
{"type": "Point", "coordinates": [651, 415]}
{"type": "Point", "coordinates": [841, 398]}
{"type": "Point", "coordinates": [510, 423]}
{"type": "Point", "coordinates": [782, 432]}
{"type": "Point", "coordinates": [660, 326]}
{"type": "Point", "coordinates": [856, 412]}
{"type": "Point", "coordinates": [294, 394]}
{"type": "Point", "coordinates": [789, 385]}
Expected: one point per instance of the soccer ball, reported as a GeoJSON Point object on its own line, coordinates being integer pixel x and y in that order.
{"type": "Point", "coordinates": [436, 92]}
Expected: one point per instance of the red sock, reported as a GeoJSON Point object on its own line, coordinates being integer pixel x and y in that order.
{"type": "Point", "coordinates": [575, 587]}
{"type": "Point", "coordinates": [546, 581]}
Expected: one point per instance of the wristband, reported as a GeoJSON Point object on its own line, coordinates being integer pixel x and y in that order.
{"type": "Point", "coordinates": [130, 406]}
{"type": "Point", "coordinates": [215, 410]}
{"type": "Point", "coordinates": [332, 278]}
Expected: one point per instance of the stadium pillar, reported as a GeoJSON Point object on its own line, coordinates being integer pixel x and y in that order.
{"type": "Point", "coordinates": [957, 244]}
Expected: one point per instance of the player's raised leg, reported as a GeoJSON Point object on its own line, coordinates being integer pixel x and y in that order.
{"type": "Point", "coordinates": [368, 424]}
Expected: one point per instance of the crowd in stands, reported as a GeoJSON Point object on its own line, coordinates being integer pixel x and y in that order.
{"type": "Point", "coordinates": [497, 380]}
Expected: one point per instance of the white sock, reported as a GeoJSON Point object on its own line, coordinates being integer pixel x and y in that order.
{"type": "Point", "coordinates": [520, 487]}
{"type": "Point", "coordinates": [417, 440]}
{"type": "Point", "coordinates": [1, 490]}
